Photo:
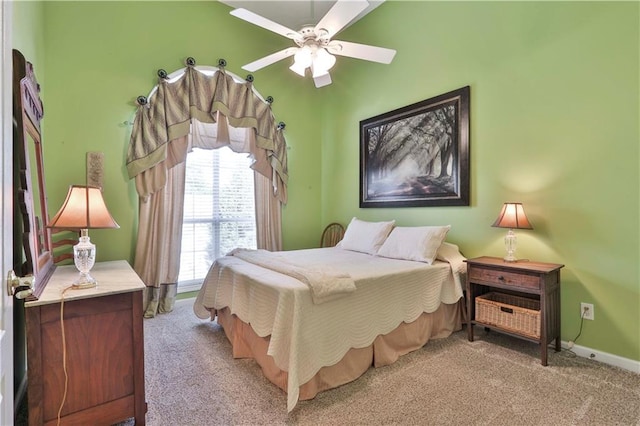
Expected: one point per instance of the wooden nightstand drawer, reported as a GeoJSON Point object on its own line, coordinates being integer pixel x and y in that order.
{"type": "Point", "coordinates": [512, 279]}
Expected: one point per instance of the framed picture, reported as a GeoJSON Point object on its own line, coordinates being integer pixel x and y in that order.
{"type": "Point", "coordinates": [418, 155]}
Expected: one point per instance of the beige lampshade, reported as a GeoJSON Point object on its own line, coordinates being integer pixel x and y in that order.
{"type": "Point", "coordinates": [512, 216]}
{"type": "Point", "coordinates": [84, 208]}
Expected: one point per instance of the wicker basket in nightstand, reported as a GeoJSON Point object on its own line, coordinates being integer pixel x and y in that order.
{"type": "Point", "coordinates": [513, 313]}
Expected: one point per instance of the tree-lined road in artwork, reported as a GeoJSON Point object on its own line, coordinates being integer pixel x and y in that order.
{"type": "Point", "coordinates": [414, 155]}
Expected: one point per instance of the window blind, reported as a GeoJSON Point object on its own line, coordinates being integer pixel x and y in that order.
{"type": "Point", "coordinates": [219, 212]}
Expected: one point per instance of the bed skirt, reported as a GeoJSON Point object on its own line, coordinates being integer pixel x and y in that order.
{"type": "Point", "coordinates": [384, 350]}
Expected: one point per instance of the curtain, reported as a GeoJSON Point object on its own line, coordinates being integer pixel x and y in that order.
{"type": "Point", "coordinates": [268, 215]}
{"type": "Point", "coordinates": [198, 110]}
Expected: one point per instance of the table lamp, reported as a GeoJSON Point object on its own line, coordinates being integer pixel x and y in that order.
{"type": "Point", "coordinates": [83, 209]}
{"type": "Point", "coordinates": [512, 216]}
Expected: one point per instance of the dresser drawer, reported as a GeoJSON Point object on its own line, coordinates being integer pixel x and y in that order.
{"type": "Point", "coordinates": [512, 279]}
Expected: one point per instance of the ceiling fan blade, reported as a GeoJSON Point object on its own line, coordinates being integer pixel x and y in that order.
{"type": "Point", "coordinates": [342, 12]}
{"type": "Point", "coordinates": [265, 23]}
{"type": "Point", "coordinates": [270, 59]}
{"type": "Point", "coordinates": [361, 51]}
{"type": "Point", "coordinates": [323, 80]}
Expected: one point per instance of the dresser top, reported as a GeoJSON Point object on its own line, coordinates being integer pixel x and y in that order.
{"type": "Point", "coordinates": [518, 265]}
{"type": "Point", "coordinates": [113, 277]}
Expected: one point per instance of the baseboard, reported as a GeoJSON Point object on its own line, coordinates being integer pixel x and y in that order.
{"type": "Point", "coordinates": [604, 357]}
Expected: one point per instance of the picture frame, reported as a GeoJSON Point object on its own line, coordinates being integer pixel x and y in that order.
{"type": "Point", "coordinates": [417, 155]}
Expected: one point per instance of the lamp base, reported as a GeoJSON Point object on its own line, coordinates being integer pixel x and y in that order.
{"type": "Point", "coordinates": [84, 286]}
{"type": "Point", "coordinates": [84, 256]}
{"type": "Point", "coordinates": [510, 243]}
{"type": "Point", "coordinates": [84, 281]}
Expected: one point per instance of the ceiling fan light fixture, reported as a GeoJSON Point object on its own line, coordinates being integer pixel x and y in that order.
{"type": "Point", "coordinates": [298, 69]}
{"type": "Point", "coordinates": [301, 61]}
{"type": "Point", "coordinates": [323, 61]}
{"type": "Point", "coordinates": [303, 57]}
{"type": "Point", "coordinates": [317, 72]}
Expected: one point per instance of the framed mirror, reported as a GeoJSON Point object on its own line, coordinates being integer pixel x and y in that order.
{"type": "Point", "coordinates": [32, 239]}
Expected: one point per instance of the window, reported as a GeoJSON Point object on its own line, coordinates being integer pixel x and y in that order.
{"type": "Point", "coordinates": [219, 213]}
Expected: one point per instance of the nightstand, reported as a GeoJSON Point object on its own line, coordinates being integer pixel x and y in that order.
{"type": "Point", "coordinates": [522, 280]}
{"type": "Point", "coordinates": [104, 348]}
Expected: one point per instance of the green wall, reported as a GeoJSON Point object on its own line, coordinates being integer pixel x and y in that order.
{"type": "Point", "coordinates": [28, 35]}
{"type": "Point", "coordinates": [101, 55]}
{"type": "Point", "coordinates": [554, 124]}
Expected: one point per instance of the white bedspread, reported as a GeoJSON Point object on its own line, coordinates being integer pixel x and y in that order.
{"type": "Point", "coordinates": [306, 336]}
{"type": "Point", "coordinates": [324, 282]}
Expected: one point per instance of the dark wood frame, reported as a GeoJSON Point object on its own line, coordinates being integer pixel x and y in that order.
{"type": "Point", "coordinates": [30, 222]}
{"type": "Point", "coordinates": [416, 137]}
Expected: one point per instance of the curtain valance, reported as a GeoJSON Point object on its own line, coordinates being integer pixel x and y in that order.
{"type": "Point", "coordinates": [219, 98]}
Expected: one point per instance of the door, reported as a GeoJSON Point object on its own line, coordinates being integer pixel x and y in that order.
{"type": "Point", "coordinates": [6, 203]}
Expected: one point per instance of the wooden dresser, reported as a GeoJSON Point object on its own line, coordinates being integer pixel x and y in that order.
{"type": "Point", "coordinates": [104, 349]}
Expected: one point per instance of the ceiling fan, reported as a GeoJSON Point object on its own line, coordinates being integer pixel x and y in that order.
{"type": "Point", "coordinates": [315, 48]}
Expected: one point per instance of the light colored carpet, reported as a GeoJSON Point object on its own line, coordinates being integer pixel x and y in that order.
{"type": "Point", "coordinates": [191, 379]}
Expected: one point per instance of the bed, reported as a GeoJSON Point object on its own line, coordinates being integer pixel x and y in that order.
{"type": "Point", "coordinates": [309, 334]}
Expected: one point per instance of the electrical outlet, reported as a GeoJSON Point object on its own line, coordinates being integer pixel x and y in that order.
{"type": "Point", "coordinates": [586, 311]}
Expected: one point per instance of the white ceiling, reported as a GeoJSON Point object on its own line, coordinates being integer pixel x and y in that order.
{"type": "Point", "coordinates": [293, 14]}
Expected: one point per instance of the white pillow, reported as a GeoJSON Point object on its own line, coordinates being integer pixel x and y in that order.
{"type": "Point", "coordinates": [451, 253]}
{"type": "Point", "coordinates": [365, 237]}
{"type": "Point", "coordinates": [447, 251]}
{"type": "Point", "coordinates": [419, 243]}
